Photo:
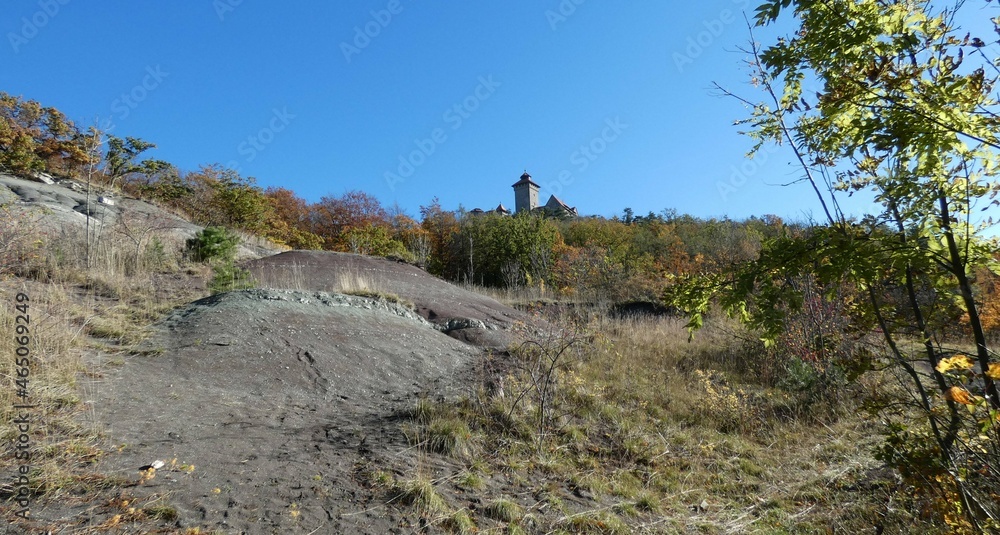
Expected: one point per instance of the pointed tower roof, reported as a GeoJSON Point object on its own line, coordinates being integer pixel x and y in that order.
{"type": "Point", "coordinates": [525, 180]}
{"type": "Point", "coordinates": [502, 209]}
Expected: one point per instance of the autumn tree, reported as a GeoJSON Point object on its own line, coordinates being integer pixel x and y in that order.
{"type": "Point", "coordinates": [440, 225]}
{"type": "Point", "coordinates": [333, 217]}
{"type": "Point", "coordinates": [238, 203]}
{"type": "Point", "coordinates": [414, 239]}
{"type": "Point", "coordinates": [62, 146]}
{"type": "Point", "coordinates": [290, 222]}
{"type": "Point", "coordinates": [893, 99]}
{"type": "Point", "coordinates": [35, 138]}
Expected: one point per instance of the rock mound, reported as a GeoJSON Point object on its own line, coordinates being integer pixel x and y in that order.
{"type": "Point", "coordinates": [275, 396]}
{"type": "Point", "coordinates": [462, 314]}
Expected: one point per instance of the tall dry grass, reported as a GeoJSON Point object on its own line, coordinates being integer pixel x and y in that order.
{"type": "Point", "coordinates": [84, 302]}
{"type": "Point", "coordinates": [352, 280]}
{"type": "Point", "coordinates": [664, 434]}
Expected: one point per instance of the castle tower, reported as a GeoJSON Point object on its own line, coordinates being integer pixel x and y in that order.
{"type": "Point", "coordinates": [525, 194]}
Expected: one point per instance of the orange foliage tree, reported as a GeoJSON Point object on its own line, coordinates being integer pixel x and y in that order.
{"type": "Point", "coordinates": [334, 217]}
{"type": "Point", "coordinates": [290, 221]}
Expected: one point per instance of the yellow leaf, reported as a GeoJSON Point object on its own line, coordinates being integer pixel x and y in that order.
{"type": "Point", "coordinates": [961, 362]}
{"type": "Point", "coordinates": [994, 371]}
{"type": "Point", "coordinates": [958, 395]}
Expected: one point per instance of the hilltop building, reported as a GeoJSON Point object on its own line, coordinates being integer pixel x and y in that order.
{"type": "Point", "coordinates": [526, 200]}
{"type": "Point", "coordinates": [525, 194]}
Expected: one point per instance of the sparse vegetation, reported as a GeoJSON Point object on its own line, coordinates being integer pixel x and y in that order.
{"type": "Point", "coordinates": [661, 434]}
{"type": "Point", "coordinates": [853, 390]}
{"type": "Point", "coordinates": [77, 307]}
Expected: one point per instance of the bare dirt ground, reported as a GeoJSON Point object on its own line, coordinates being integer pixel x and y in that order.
{"type": "Point", "coordinates": [269, 407]}
{"type": "Point", "coordinates": [276, 398]}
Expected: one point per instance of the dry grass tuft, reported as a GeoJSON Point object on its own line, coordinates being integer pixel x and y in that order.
{"type": "Point", "coordinates": [660, 433]}
{"type": "Point", "coordinates": [82, 306]}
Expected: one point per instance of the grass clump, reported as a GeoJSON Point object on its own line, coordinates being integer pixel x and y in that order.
{"type": "Point", "coordinates": [459, 522]}
{"type": "Point", "coordinates": [450, 436]}
{"type": "Point", "coordinates": [504, 510]}
{"type": "Point", "coordinates": [599, 522]}
{"type": "Point", "coordinates": [420, 493]}
{"type": "Point", "coordinates": [161, 512]}
{"type": "Point", "coordinates": [470, 480]}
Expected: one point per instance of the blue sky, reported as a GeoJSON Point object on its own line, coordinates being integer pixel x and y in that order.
{"type": "Point", "coordinates": [607, 105]}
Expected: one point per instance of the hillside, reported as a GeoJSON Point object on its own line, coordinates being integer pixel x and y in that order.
{"type": "Point", "coordinates": [61, 209]}
{"type": "Point", "coordinates": [277, 395]}
{"type": "Point", "coordinates": [343, 393]}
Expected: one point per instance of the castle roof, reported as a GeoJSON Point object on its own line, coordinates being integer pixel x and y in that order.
{"type": "Point", "coordinates": [525, 181]}
{"type": "Point", "coordinates": [555, 204]}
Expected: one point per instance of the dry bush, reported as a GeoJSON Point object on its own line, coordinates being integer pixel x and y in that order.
{"type": "Point", "coordinates": [514, 296]}
{"type": "Point", "coordinates": [353, 282]}
{"type": "Point", "coordinates": [141, 240]}
{"type": "Point", "coordinates": [19, 238]}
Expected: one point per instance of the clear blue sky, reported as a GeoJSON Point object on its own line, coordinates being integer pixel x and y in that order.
{"type": "Point", "coordinates": [294, 95]}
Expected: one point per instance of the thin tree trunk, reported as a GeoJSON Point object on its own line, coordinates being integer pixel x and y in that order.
{"type": "Point", "coordinates": [968, 298]}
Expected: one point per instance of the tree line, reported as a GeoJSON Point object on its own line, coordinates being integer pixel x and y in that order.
{"type": "Point", "coordinates": [621, 257]}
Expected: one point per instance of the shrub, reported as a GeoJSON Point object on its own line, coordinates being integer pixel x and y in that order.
{"type": "Point", "coordinates": [227, 277]}
{"type": "Point", "coordinates": [213, 243]}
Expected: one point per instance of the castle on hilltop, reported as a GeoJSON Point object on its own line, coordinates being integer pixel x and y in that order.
{"type": "Point", "coordinates": [526, 200]}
